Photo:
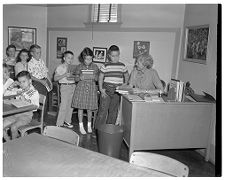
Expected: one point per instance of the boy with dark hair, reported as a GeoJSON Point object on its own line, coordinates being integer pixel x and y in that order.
{"type": "Point", "coordinates": [67, 87]}
{"type": "Point", "coordinates": [112, 75]}
{"type": "Point", "coordinates": [29, 94]}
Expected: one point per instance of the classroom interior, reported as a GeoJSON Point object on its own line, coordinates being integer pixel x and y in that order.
{"type": "Point", "coordinates": [163, 25]}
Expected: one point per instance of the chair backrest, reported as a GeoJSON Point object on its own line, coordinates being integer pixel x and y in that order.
{"type": "Point", "coordinates": [63, 134]}
{"type": "Point", "coordinates": [42, 104]}
{"type": "Point", "coordinates": [163, 84]}
{"type": "Point", "coordinates": [160, 163]}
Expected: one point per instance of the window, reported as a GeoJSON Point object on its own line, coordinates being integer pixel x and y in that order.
{"type": "Point", "coordinates": [104, 13]}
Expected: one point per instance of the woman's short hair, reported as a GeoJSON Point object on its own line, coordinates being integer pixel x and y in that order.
{"type": "Point", "coordinates": [147, 60]}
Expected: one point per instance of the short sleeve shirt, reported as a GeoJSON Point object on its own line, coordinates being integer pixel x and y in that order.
{"type": "Point", "coordinates": [62, 69]}
{"type": "Point", "coordinates": [114, 72]}
{"type": "Point", "coordinates": [37, 68]}
{"type": "Point", "coordinates": [31, 95]}
{"type": "Point", "coordinates": [147, 79]}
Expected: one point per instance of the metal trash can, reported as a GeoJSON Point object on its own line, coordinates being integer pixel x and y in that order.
{"type": "Point", "coordinates": [110, 139]}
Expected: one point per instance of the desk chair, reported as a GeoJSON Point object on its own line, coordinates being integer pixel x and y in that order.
{"type": "Point", "coordinates": [35, 123]}
{"type": "Point", "coordinates": [160, 163]}
{"type": "Point", "coordinates": [63, 134]}
{"type": "Point", "coordinates": [163, 84]}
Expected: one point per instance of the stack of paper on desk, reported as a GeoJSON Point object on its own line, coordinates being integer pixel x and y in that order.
{"type": "Point", "coordinates": [19, 103]}
{"type": "Point", "coordinates": [133, 97]}
{"type": "Point", "coordinates": [124, 89]}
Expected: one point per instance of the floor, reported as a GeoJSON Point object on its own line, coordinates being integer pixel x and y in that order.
{"type": "Point", "coordinates": [198, 167]}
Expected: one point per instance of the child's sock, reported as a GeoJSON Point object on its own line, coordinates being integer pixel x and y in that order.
{"type": "Point", "coordinates": [89, 127]}
{"type": "Point", "coordinates": [81, 128]}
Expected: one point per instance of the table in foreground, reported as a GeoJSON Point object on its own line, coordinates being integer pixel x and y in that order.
{"type": "Point", "coordinates": [9, 109]}
{"type": "Point", "coordinates": [36, 155]}
{"type": "Point", "coordinates": [167, 125]}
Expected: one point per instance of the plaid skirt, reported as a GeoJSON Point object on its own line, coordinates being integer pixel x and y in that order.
{"type": "Point", "coordinates": [85, 96]}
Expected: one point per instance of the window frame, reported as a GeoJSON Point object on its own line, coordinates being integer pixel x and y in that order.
{"type": "Point", "coordinates": [104, 23]}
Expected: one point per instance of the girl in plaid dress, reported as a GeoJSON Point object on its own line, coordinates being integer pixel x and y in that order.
{"type": "Point", "coordinates": [85, 95]}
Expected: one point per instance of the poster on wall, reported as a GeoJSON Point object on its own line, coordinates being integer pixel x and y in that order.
{"type": "Point", "coordinates": [140, 48]}
{"type": "Point", "coordinates": [61, 46]}
{"type": "Point", "coordinates": [196, 41]}
{"type": "Point", "coordinates": [21, 37]}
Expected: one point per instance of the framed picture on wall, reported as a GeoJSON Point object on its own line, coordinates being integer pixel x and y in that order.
{"type": "Point", "coordinates": [196, 42]}
{"type": "Point", "coordinates": [21, 37]}
{"type": "Point", "coordinates": [140, 47]}
{"type": "Point", "coordinates": [61, 46]}
{"type": "Point", "coordinates": [100, 54]}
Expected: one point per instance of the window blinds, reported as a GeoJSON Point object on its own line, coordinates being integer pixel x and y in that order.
{"type": "Point", "coordinates": [104, 13]}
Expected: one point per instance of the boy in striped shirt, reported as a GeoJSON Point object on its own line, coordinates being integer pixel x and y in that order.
{"type": "Point", "coordinates": [112, 74]}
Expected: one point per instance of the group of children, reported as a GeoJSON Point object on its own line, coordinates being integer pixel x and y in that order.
{"type": "Point", "coordinates": [21, 76]}
{"type": "Point", "coordinates": [79, 89]}
{"type": "Point", "coordinates": [84, 95]}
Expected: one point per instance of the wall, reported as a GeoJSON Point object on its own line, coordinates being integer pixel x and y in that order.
{"type": "Point", "coordinates": [202, 77]}
{"type": "Point", "coordinates": [26, 16]}
{"type": "Point", "coordinates": [159, 24]}
{"type": "Point", "coordinates": [160, 42]}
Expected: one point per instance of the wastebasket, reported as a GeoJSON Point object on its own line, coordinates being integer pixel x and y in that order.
{"type": "Point", "coordinates": [110, 139]}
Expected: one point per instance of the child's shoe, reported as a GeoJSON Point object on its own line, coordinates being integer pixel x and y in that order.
{"type": "Point", "coordinates": [81, 128]}
{"type": "Point", "coordinates": [89, 127]}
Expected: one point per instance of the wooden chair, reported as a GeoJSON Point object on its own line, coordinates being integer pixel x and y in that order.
{"type": "Point", "coordinates": [160, 163]}
{"type": "Point", "coordinates": [35, 123]}
{"type": "Point", "coordinates": [163, 84]}
{"type": "Point", "coordinates": [63, 134]}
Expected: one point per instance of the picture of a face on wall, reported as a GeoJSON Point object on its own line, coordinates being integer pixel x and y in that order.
{"type": "Point", "coordinates": [141, 48]}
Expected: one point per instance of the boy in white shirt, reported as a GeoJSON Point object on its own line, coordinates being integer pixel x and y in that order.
{"type": "Point", "coordinates": [29, 94]}
{"type": "Point", "coordinates": [39, 71]}
{"type": "Point", "coordinates": [67, 87]}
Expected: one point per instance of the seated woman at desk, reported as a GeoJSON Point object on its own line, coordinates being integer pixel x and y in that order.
{"type": "Point", "coordinates": [143, 78]}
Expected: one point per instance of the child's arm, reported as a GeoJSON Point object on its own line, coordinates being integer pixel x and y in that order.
{"type": "Point", "coordinates": [101, 79]}
{"type": "Point", "coordinates": [96, 76]}
{"type": "Point", "coordinates": [57, 76]}
{"type": "Point", "coordinates": [126, 77]}
{"type": "Point", "coordinates": [78, 75]}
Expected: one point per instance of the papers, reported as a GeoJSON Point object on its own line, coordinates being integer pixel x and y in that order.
{"type": "Point", "coordinates": [124, 89]}
{"type": "Point", "coordinates": [136, 98]}
{"type": "Point", "coordinates": [88, 74]}
{"type": "Point", "coordinates": [19, 103]}
{"type": "Point", "coordinates": [176, 90]}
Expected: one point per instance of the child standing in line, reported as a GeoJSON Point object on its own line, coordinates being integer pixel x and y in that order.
{"type": "Point", "coordinates": [112, 75]}
{"type": "Point", "coordinates": [10, 60]}
{"type": "Point", "coordinates": [67, 87]}
{"type": "Point", "coordinates": [85, 95]}
{"type": "Point", "coordinates": [29, 94]}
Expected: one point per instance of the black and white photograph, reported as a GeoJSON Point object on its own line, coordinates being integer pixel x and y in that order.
{"type": "Point", "coordinates": [99, 54]}
{"type": "Point", "coordinates": [112, 89]}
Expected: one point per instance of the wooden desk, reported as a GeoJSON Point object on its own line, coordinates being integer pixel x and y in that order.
{"type": "Point", "coordinates": [36, 155]}
{"type": "Point", "coordinates": [167, 125]}
{"type": "Point", "coordinates": [9, 109]}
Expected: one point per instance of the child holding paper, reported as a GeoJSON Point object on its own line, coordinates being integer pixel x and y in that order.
{"type": "Point", "coordinates": [85, 95]}
{"type": "Point", "coordinates": [28, 94]}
